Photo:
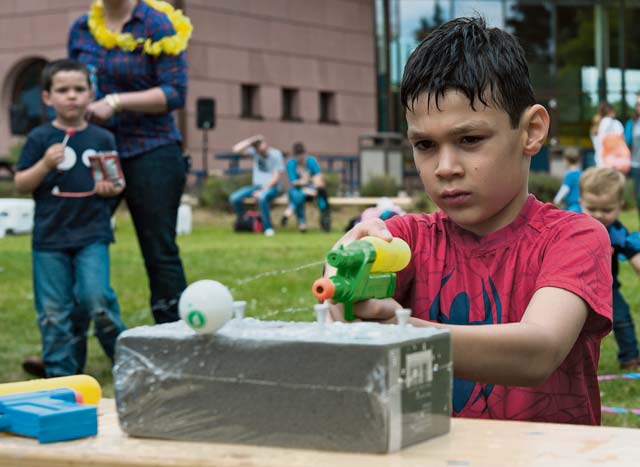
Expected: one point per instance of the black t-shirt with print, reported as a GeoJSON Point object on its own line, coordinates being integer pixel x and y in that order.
{"type": "Point", "coordinates": [68, 214]}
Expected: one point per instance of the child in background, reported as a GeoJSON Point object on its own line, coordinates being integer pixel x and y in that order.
{"type": "Point", "coordinates": [522, 287]}
{"type": "Point", "coordinates": [602, 192]}
{"type": "Point", "coordinates": [72, 228]}
{"type": "Point", "coordinates": [569, 192]}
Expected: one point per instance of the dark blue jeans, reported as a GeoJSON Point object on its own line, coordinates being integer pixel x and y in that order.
{"type": "Point", "coordinates": [155, 181]}
{"type": "Point", "coordinates": [71, 289]}
{"type": "Point", "coordinates": [623, 329]}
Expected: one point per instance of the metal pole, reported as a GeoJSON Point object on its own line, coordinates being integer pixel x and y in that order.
{"type": "Point", "coordinates": [387, 67]}
{"type": "Point", "coordinates": [622, 59]}
{"type": "Point", "coordinates": [205, 152]}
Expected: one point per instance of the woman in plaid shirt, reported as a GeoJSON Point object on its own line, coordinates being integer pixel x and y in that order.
{"type": "Point", "coordinates": [136, 53]}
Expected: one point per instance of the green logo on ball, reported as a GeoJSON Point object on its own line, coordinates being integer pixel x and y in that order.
{"type": "Point", "coordinates": [196, 319]}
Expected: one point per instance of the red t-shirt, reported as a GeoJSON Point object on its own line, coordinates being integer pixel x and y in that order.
{"type": "Point", "coordinates": [457, 277]}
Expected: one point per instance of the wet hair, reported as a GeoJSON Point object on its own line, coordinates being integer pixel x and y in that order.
{"type": "Point", "coordinates": [486, 64]}
{"type": "Point", "coordinates": [56, 66]}
{"type": "Point", "coordinates": [602, 181]}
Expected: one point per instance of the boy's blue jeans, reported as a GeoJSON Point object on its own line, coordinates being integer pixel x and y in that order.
{"type": "Point", "coordinates": [623, 329]}
{"type": "Point", "coordinates": [264, 201]}
{"type": "Point", "coordinates": [71, 289]}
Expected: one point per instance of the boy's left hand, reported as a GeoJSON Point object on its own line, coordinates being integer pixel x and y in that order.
{"type": "Point", "coordinates": [378, 310]}
{"type": "Point", "coordinates": [107, 189]}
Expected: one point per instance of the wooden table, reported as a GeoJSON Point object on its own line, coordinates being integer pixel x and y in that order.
{"type": "Point", "coordinates": [473, 443]}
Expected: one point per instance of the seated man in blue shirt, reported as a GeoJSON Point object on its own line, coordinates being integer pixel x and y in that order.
{"type": "Point", "coordinates": [306, 182]}
{"type": "Point", "coordinates": [266, 181]}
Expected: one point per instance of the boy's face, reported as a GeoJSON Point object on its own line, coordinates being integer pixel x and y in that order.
{"type": "Point", "coordinates": [69, 96]}
{"type": "Point", "coordinates": [604, 208]}
{"type": "Point", "coordinates": [472, 163]}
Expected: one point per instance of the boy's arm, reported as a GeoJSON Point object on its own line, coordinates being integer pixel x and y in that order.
{"type": "Point", "coordinates": [28, 180]}
{"type": "Point", "coordinates": [524, 353]}
{"type": "Point", "coordinates": [513, 354]}
{"type": "Point", "coordinates": [561, 194]}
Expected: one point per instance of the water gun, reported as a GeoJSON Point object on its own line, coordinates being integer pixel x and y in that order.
{"type": "Point", "coordinates": [55, 409]}
{"type": "Point", "coordinates": [365, 269]}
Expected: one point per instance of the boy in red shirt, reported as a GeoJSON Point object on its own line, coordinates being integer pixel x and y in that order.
{"type": "Point", "coordinates": [524, 288]}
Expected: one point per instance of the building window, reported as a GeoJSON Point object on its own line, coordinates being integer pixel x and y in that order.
{"type": "Point", "coordinates": [250, 101]}
{"type": "Point", "coordinates": [290, 105]}
{"type": "Point", "coordinates": [328, 107]}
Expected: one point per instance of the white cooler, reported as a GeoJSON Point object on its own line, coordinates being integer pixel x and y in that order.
{"type": "Point", "coordinates": [16, 215]}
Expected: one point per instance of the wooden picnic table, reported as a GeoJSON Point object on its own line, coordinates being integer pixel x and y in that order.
{"type": "Point", "coordinates": [471, 443]}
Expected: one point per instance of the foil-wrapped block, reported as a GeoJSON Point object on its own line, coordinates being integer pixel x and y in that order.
{"type": "Point", "coordinates": [359, 387]}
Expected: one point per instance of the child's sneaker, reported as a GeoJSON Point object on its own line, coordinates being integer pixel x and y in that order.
{"type": "Point", "coordinates": [269, 233]}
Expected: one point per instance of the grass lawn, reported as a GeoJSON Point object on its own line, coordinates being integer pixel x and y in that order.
{"type": "Point", "coordinates": [274, 275]}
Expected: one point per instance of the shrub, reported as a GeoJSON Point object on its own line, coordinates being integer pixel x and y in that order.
{"type": "Point", "coordinates": [421, 203]}
{"type": "Point", "coordinates": [14, 152]}
{"type": "Point", "coordinates": [629, 195]}
{"type": "Point", "coordinates": [332, 182]}
{"type": "Point", "coordinates": [383, 185]}
{"type": "Point", "coordinates": [216, 190]}
{"type": "Point", "coordinates": [543, 186]}
{"type": "Point", "coordinates": [8, 189]}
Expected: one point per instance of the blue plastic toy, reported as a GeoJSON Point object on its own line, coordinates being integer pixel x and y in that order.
{"type": "Point", "coordinates": [51, 415]}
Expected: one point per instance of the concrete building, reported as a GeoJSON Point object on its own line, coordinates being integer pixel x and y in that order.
{"type": "Point", "coordinates": [290, 69]}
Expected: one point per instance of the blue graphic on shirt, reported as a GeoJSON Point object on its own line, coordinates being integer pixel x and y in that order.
{"type": "Point", "coordinates": [459, 314]}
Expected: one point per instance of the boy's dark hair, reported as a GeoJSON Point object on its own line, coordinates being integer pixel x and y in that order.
{"type": "Point", "coordinates": [465, 55]}
{"type": "Point", "coordinates": [56, 66]}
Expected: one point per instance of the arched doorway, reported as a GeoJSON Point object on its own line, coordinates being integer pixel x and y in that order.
{"type": "Point", "coordinates": [26, 110]}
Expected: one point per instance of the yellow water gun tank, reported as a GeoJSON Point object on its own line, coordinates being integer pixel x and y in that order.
{"type": "Point", "coordinates": [391, 256]}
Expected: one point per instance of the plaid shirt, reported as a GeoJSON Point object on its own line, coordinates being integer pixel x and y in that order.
{"type": "Point", "coordinates": [117, 71]}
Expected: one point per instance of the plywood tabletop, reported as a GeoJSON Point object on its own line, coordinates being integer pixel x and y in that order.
{"type": "Point", "coordinates": [473, 443]}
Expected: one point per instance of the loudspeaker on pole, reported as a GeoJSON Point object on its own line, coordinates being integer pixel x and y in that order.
{"type": "Point", "coordinates": [206, 113]}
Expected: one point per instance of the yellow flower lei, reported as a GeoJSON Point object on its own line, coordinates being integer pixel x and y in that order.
{"type": "Point", "coordinates": [171, 45]}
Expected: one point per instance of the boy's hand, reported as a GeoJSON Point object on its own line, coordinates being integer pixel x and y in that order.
{"type": "Point", "coordinates": [373, 227]}
{"type": "Point", "coordinates": [376, 310]}
{"type": "Point", "coordinates": [53, 156]}
{"type": "Point", "coordinates": [107, 189]}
